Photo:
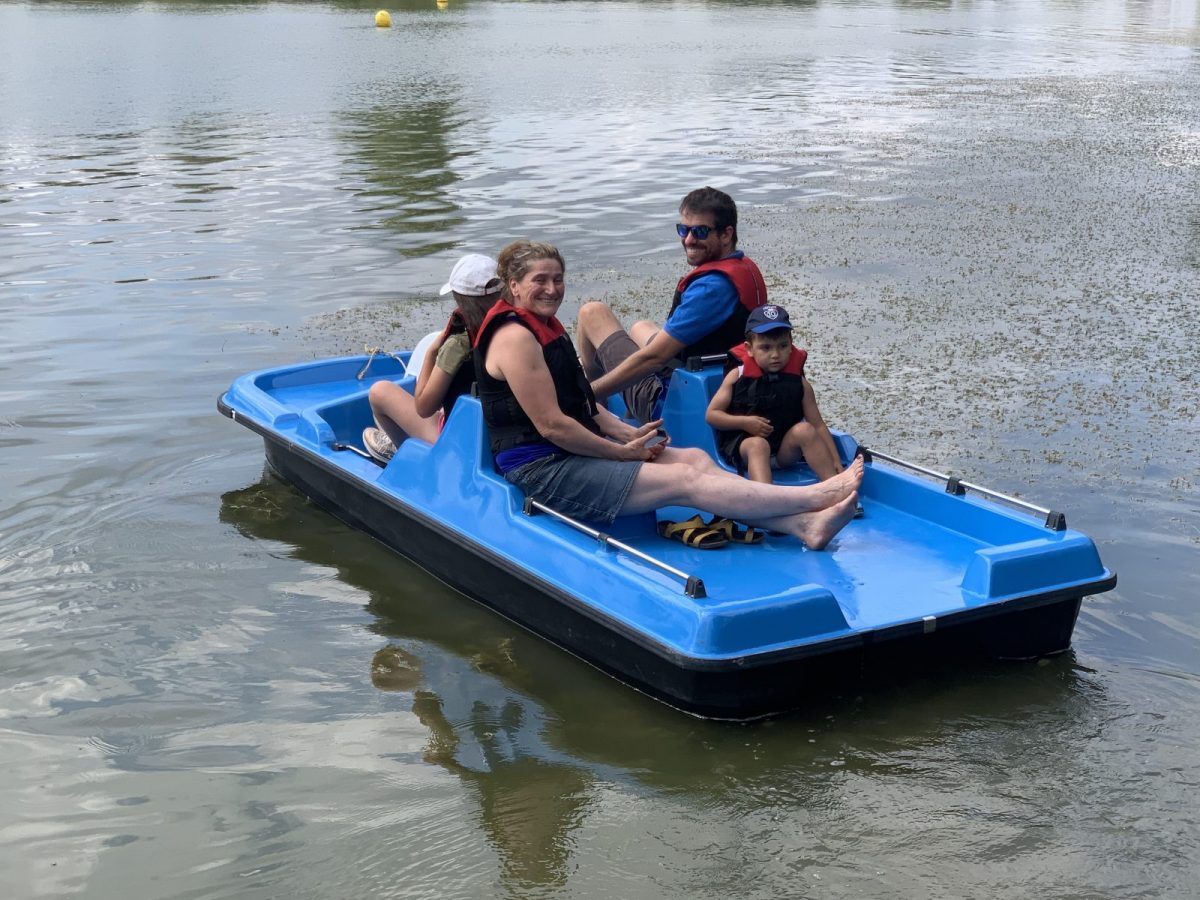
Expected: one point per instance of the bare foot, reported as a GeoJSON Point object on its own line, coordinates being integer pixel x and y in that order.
{"type": "Point", "coordinates": [816, 529]}
{"type": "Point", "coordinates": [835, 489]}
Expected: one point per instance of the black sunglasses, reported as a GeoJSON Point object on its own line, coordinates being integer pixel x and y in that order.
{"type": "Point", "coordinates": [699, 232]}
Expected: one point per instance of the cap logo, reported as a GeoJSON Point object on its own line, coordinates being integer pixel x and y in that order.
{"type": "Point", "coordinates": [771, 312]}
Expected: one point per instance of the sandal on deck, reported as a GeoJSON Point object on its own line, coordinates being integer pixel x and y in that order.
{"type": "Point", "coordinates": [733, 534]}
{"type": "Point", "coordinates": [693, 533]}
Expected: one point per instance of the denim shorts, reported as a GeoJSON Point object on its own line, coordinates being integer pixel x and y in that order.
{"type": "Point", "coordinates": [642, 397]}
{"type": "Point", "coordinates": [582, 487]}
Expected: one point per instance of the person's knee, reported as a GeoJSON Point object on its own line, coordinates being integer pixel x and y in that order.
{"type": "Point", "coordinates": [755, 445]}
{"type": "Point", "coordinates": [378, 393]}
{"type": "Point", "coordinates": [595, 316]}
{"type": "Point", "coordinates": [802, 432]}
{"type": "Point", "coordinates": [755, 448]}
{"type": "Point", "coordinates": [643, 331]}
{"type": "Point", "coordinates": [697, 459]}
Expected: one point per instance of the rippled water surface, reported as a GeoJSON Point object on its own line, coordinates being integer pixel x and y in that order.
{"type": "Point", "coordinates": [983, 218]}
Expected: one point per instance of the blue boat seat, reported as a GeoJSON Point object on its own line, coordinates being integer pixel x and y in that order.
{"type": "Point", "coordinates": [690, 391]}
{"type": "Point", "coordinates": [348, 417]}
{"type": "Point", "coordinates": [471, 469]}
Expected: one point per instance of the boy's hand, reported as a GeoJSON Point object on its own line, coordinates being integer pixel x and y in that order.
{"type": "Point", "coordinates": [757, 426]}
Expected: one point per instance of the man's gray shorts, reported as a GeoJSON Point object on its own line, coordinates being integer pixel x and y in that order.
{"type": "Point", "coordinates": [641, 397]}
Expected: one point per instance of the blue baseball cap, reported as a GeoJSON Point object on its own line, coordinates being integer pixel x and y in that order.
{"type": "Point", "coordinates": [767, 318]}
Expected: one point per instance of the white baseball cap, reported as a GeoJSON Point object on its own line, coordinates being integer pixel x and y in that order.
{"type": "Point", "coordinates": [474, 275]}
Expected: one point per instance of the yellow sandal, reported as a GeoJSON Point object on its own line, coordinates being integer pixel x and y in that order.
{"type": "Point", "coordinates": [693, 533]}
{"type": "Point", "coordinates": [733, 534]}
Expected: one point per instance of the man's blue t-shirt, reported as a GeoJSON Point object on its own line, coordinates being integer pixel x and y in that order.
{"type": "Point", "coordinates": [706, 304]}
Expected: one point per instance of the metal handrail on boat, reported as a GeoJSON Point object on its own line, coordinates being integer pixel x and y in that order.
{"type": "Point", "coordinates": [696, 363]}
{"type": "Point", "coordinates": [1054, 520]}
{"type": "Point", "coordinates": [692, 586]}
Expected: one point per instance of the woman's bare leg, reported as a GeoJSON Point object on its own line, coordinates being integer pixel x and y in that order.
{"type": "Point", "coordinates": [816, 529]}
{"type": "Point", "coordinates": [680, 484]}
{"type": "Point", "coordinates": [694, 457]}
{"type": "Point", "coordinates": [396, 412]}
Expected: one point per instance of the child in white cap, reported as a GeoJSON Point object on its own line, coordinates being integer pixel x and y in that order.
{"type": "Point", "coordinates": [448, 370]}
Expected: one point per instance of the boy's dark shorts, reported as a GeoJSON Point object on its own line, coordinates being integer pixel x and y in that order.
{"type": "Point", "coordinates": [729, 447]}
{"type": "Point", "coordinates": [641, 398]}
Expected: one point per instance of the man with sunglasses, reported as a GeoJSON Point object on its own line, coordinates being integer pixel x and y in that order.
{"type": "Point", "coordinates": [708, 313]}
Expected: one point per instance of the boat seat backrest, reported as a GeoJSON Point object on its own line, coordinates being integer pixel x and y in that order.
{"type": "Point", "coordinates": [346, 417]}
{"type": "Point", "coordinates": [464, 430]}
{"type": "Point", "coordinates": [687, 401]}
{"type": "Point", "coordinates": [459, 463]}
{"type": "Point", "coordinates": [683, 417]}
{"type": "Point", "coordinates": [417, 358]}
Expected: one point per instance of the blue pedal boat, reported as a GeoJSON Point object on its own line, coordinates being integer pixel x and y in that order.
{"type": "Point", "coordinates": [936, 568]}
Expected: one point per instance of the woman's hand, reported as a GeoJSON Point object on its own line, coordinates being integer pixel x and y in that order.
{"type": "Point", "coordinates": [648, 441]}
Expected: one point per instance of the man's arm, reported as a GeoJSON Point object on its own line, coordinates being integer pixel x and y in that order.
{"type": "Point", "coordinates": [661, 349]}
{"type": "Point", "coordinates": [706, 303]}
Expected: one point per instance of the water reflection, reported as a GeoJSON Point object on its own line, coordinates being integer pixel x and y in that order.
{"type": "Point", "coordinates": [443, 643]}
{"type": "Point", "coordinates": [528, 805]}
{"type": "Point", "coordinates": [400, 149]}
{"type": "Point", "coordinates": [531, 796]}
{"type": "Point", "coordinates": [550, 750]}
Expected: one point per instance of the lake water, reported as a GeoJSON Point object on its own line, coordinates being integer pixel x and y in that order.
{"type": "Point", "coordinates": [983, 217]}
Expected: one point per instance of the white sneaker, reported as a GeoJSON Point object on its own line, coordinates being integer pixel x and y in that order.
{"type": "Point", "coordinates": [378, 444]}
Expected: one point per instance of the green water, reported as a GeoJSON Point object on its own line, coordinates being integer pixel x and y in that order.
{"type": "Point", "coordinates": [983, 219]}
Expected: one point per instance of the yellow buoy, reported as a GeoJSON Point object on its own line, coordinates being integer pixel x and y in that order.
{"type": "Point", "coordinates": [383, 19]}
{"type": "Point", "coordinates": [442, 4]}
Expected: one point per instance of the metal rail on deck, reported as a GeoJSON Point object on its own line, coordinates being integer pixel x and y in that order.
{"type": "Point", "coordinates": [362, 453]}
{"type": "Point", "coordinates": [693, 586]}
{"type": "Point", "coordinates": [954, 485]}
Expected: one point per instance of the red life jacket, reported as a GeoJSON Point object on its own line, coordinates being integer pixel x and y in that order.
{"type": "Point", "coordinates": [750, 369]}
{"type": "Point", "coordinates": [778, 397]}
{"type": "Point", "coordinates": [462, 380]}
{"type": "Point", "coordinates": [508, 425]}
{"type": "Point", "coordinates": [751, 291]}
{"type": "Point", "coordinates": [545, 332]}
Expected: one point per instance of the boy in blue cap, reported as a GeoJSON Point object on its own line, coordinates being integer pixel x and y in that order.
{"type": "Point", "coordinates": [765, 409]}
